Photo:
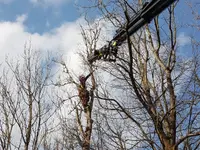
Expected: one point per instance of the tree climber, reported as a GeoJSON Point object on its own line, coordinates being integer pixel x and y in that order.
{"type": "Point", "coordinates": [83, 92]}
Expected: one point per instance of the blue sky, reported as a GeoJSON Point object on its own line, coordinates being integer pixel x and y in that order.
{"type": "Point", "coordinates": [54, 25]}
{"type": "Point", "coordinates": [42, 15]}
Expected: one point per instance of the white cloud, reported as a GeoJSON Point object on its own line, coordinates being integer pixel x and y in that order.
{"type": "Point", "coordinates": [183, 39]}
{"type": "Point", "coordinates": [64, 39]}
{"type": "Point", "coordinates": [49, 2]}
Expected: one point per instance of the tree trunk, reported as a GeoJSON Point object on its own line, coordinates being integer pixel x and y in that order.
{"type": "Point", "coordinates": [88, 131]}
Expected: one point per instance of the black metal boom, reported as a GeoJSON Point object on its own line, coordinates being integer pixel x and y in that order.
{"type": "Point", "coordinates": [149, 11]}
{"type": "Point", "coordinates": [144, 16]}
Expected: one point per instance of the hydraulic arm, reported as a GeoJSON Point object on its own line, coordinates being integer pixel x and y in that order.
{"type": "Point", "coordinates": [144, 16]}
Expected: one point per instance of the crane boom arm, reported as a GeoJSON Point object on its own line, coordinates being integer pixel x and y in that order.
{"type": "Point", "coordinates": [144, 16]}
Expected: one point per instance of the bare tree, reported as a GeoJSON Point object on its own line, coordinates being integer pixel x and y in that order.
{"type": "Point", "coordinates": [30, 103]}
{"type": "Point", "coordinates": [7, 120]}
{"type": "Point", "coordinates": [151, 72]}
{"type": "Point", "coordinates": [81, 100]}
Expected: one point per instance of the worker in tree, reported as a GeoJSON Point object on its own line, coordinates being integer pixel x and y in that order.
{"type": "Point", "coordinates": [114, 48]}
{"type": "Point", "coordinates": [96, 56]}
{"type": "Point", "coordinates": [83, 92]}
{"type": "Point", "coordinates": [106, 52]}
{"type": "Point", "coordinates": [111, 50]}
